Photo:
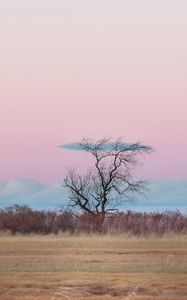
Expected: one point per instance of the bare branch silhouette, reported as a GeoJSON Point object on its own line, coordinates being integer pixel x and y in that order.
{"type": "Point", "coordinates": [111, 179]}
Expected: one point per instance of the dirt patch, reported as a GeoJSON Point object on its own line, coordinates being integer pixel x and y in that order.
{"type": "Point", "coordinates": [100, 291]}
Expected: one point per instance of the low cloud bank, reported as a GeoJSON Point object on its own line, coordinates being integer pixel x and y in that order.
{"type": "Point", "coordinates": [161, 194]}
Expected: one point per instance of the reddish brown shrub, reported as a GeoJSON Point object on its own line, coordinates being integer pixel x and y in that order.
{"type": "Point", "coordinates": [23, 219]}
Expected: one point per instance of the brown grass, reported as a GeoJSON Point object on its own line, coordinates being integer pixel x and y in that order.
{"type": "Point", "coordinates": [92, 267]}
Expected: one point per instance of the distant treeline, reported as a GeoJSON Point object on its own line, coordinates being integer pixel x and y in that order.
{"type": "Point", "coordinates": [23, 219]}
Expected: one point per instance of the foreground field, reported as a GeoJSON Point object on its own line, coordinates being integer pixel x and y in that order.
{"type": "Point", "coordinates": [92, 267]}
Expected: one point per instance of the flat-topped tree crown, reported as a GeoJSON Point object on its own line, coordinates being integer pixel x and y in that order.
{"type": "Point", "coordinates": [110, 181]}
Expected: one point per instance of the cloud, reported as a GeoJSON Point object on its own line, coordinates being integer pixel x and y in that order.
{"type": "Point", "coordinates": [54, 197]}
{"type": "Point", "coordinates": [32, 193]}
{"type": "Point", "coordinates": [165, 194]}
{"type": "Point", "coordinates": [162, 194]}
{"type": "Point", "coordinates": [106, 146]}
{"type": "Point", "coordinates": [22, 187]}
{"type": "Point", "coordinates": [71, 146]}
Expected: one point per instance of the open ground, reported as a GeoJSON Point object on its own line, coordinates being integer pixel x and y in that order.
{"type": "Point", "coordinates": [92, 267]}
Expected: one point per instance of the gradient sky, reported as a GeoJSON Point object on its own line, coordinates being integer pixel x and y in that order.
{"type": "Point", "coordinates": [70, 69]}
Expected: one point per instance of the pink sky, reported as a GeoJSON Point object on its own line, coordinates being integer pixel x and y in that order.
{"type": "Point", "coordinates": [71, 69]}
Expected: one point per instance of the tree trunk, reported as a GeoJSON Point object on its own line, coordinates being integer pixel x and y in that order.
{"type": "Point", "coordinates": [99, 219]}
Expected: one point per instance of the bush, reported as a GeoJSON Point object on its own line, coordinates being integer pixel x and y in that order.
{"type": "Point", "coordinates": [23, 219]}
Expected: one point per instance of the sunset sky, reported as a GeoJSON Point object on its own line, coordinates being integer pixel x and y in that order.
{"type": "Point", "coordinates": [74, 69]}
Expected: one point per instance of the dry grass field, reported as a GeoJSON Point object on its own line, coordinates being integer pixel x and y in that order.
{"type": "Point", "coordinates": [92, 267]}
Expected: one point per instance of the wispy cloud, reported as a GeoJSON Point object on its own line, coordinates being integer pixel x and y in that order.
{"type": "Point", "coordinates": [161, 194]}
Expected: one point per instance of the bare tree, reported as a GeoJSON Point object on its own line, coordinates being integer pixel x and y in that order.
{"type": "Point", "coordinates": [110, 181]}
